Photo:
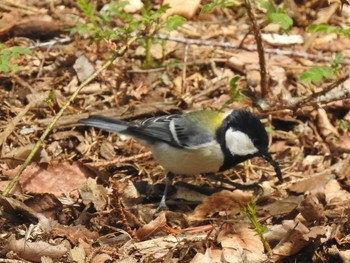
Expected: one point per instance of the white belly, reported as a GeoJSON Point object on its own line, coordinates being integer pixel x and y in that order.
{"type": "Point", "coordinates": [205, 159]}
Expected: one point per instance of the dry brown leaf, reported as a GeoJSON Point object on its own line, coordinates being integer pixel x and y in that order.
{"type": "Point", "coordinates": [182, 7]}
{"type": "Point", "coordinates": [58, 177]}
{"type": "Point", "coordinates": [222, 201]}
{"type": "Point", "coordinates": [284, 206]}
{"type": "Point", "coordinates": [324, 125]}
{"type": "Point", "coordinates": [47, 204]}
{"type": "Point", "coordinates": [33, 251]}
{"type": "Point", "coordinates": [74, 233]}
{"type": "Point", "coordinates": [16, 208]}
{"type": "Point", "coordinates": [152, 227]}
{"type": "Point", "coordinates": [335, 195]}
{"type": "Point", "coordinates": [83, 68]}
{"type": "Point", "coordinates": [101, 258]}
{"type": "Point", "coordinates": [311, 209]}
{"type": "Point", "coordinates": [343, 142]}
{"type": "Point", "coordinates": [16, 156]}
{"type": "Point", "coordinates": [290, 238]}
{"type": "Point", "coordinates": [211, 256]}
{"type": "Point", "coordinates": [240, 236]}
{"type": "Point", "coordinates": [314, 184]}
{"type": "Point", "coordinates": [91, 192]}
{"type": "Point", "coordinates": [77, 254]}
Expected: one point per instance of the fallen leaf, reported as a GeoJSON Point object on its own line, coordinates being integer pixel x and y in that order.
{"type": "Point", "coordinates": [211, 256]}
{"type": "Point", "coordinates": [91, 192]}
{"type": "Point", "coordinates": [182, 7]}
{"type": "Point", "coordinates": [152, 227]}
{"type": "Point", "coordinates": [57, 177]}
{"type": "Point", "coordinates": [33, 251]}
{"type": "Point", "coordinates": [222, 201]}
{"type": "Point", "coordinates": [325, 126]}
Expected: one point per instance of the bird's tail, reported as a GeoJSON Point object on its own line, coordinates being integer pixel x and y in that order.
{"type": "Point", "coordinates": [106, 123]}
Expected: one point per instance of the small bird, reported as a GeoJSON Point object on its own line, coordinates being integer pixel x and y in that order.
{"type": "Point", "coordinates": [199, 142]}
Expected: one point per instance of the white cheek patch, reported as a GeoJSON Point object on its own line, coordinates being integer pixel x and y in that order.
{"type": "Point", "coordinates": [238, 143]}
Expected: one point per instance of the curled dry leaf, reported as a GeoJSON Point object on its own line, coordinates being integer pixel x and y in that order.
{"type": "Point", "coordinates": [325, 126]}
{"type": "Point", "coordinates": [335, 195]}
{"type": "Point", "coordinates": [241, 243]}
{"type": "Point", "coordinates": [33, 251]}
{"type": "Point", "coordinates": [91, 192]}
{"type": "Point", "coordinates": [222, 201]}
{"type": "Point", "coordinates": [152, 227]}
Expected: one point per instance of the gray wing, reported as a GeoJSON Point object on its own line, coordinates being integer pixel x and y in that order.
{"type": "Point", "coordinates": [175, 129]}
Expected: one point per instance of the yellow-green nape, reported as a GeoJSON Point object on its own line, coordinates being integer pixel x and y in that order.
{"type": "Point", "coordinates": [209, 119]}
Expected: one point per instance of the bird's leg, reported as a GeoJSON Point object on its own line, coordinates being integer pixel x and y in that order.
{"type": "Point", "coordinates": [254, 186]}
{"type": "Point", "coordinates": [168, 181]}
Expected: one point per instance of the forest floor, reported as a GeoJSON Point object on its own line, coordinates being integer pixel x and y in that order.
{"type": "Point", "coordinates": [91, 196]}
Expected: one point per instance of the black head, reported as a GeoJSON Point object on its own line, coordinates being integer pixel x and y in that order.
{"type": "Point", "coordinates": [242, 137]}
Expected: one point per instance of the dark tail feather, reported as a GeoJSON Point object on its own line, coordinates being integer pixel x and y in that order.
{"type": "Point", "coordinates": [105, 123]}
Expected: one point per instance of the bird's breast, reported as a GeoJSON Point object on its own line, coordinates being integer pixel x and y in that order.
{"type": "Point", "coordinates": [189, 161]}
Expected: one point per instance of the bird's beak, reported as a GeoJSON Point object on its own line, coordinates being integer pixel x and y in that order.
{"type": "Point", "coordinates": [267, 157]}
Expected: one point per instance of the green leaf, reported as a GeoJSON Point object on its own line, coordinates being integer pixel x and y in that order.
{"type": "Point", "coordinates": [282, 19]}
{"type": "Point", "coordinates": [208, 8]}
{"type": "Point", "coordinates": [172, 22]}
{"type": "Point", "coordinates": [269, 130]}
{"type": "Point", "coordinates": [325, 28]}
{"type": "Point", "coordinates": [316, 74]}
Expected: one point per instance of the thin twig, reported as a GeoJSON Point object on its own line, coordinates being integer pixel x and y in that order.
{"type": "Point", "coordinates": [264, 78]}
{"type": "Point", "coordinates": [210, 43]}
{"type": "Point", "coordinates": [327, 89]}
{"type": "Point", "coordinates": [41, 140]}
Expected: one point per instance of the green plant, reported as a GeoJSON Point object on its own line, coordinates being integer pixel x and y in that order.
{"type": "Point", "coordinates": [8, 54]}
{"type": "Point", "coordinates": [235, 94]}
{"type": "Point", "coordinates": [273, 14]}
{"type": "Point", "coordinates": [344, 125]}
{"type": "Point", "coordinates": [112, 23]}
{"type": "Point", "coordinates": [276, 15]}
{"type": "Point", "coordinates": [317, 73]}
{"type": "Point", "coordinates": [250, 212]}
{"type": "Point", "coordinates": [325, 28]}
{"type": "Point", "coordinates": [209, 7]}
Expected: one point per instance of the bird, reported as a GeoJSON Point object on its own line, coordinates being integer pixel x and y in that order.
{"type": "Point", "coordinates": [197, 142]}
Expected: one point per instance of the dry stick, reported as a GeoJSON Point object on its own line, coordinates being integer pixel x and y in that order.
{"type": "Point", "coordinates": [322, 92]}
{"type": "Point", "coordinates": [210, 43]}
{"type": "Point", "coordinates": [15, 179]}
{"type": "Point", "coordinates": [264, 82]}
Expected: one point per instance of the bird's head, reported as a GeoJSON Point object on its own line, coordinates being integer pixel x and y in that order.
{"type": "Point", "coordinates": [244, 137]}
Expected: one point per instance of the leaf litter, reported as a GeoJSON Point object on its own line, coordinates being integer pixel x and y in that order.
{"type": "Point", "coordinates": [90, 196]}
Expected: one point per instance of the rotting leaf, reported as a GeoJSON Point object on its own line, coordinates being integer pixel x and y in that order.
{"type": "Point", "coordinates": [152, 227]}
